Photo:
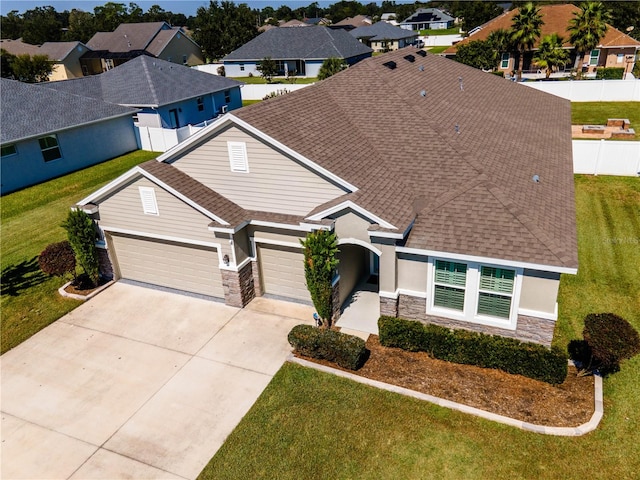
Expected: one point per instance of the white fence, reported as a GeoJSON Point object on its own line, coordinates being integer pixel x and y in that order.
{"type": "Point", "coordinates": [606, 157]}
{"type": "Point", "coordinates": [211, 68]}
{"type": "Point", "coordinates": [440, 40]}
{"type": "Point", "coordinates": [591, 90]}
{"type": "Point", "coordinates": [156, 139]}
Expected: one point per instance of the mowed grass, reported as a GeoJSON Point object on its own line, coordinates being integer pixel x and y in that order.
{"type": "Point", "coordinates": [257, 80]}
{"type": "Point", "coordinates": [597, 113]}
{"type": "Point", "coordinates": [31, 219]}
{"type": "Point", "coordinates": [313, 425]}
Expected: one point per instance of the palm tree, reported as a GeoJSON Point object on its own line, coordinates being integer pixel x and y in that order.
{"type": "Point", "coordinates": [587, 27]}
{"type": "Point", "coordinates": [500, 42]}
{"type": "Point", "coordinates": [525, 30]}
{"type": "Point", "coordinates": [550, 54]}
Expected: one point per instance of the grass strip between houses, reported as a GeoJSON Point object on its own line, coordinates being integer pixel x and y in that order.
{"type": "Point", "coordinates": [31, 219]}
{"type": "Point", "coordinates": [312, 425]}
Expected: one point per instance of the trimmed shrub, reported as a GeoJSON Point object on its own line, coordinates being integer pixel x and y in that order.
{"type": "Point", "coordinates": [345, 350]}
{"type": "Point", "coordinates": [611, 339]}
{"type": "Point", "coordinates": [58, 259]}
{"type": "Point", "coordinates": [610, 73]}
{"type": "Point", "coordinates": [470, 348]}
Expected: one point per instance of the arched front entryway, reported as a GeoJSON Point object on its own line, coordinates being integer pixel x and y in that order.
{"type": "Point", "coordinates": [359, 286]}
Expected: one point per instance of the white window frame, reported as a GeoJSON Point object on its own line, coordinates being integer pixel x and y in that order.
{"type": "Point", "coordinates": [472, 295]}
{"type": "Point", "coordinates": [149, 202]}
{"type": "Point", "coordinates": [238, 160]}
{"type": "Point", "coordinates": [597, 57]}
{"type": "Point", "coordinates": [503, 60]}
{"type": "Point", "coordinates": [620, 58]}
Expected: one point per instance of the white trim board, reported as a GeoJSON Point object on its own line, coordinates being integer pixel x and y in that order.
{"type": "Point", "coordinates": [348, 204]}
{"type": "Point", "coordinates": [487, 260]}
{"type": "Point", "coordinates": [355, 241]}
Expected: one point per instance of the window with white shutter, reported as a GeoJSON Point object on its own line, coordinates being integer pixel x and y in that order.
{"type": "Point", "coordinates": [238, 157]}
{"type": "Point", "coordinates": [148, 197]}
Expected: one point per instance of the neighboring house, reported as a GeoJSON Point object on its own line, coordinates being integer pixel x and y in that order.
{"type": "Point", "coordinates": [616, 49]}
{"type": "Point", "coordinates": [428, 19]}
{"type": "Point", "coordinates": [46, 133]}
{"type": "Point", "coordinates": [302, 50]}
{"type": "Point", "coordinates": [65, 57]}
{"type": "Point", "coordinates": [317, 21]}
{"type": "Point", "coordinates": [167, 95]}
{"type": "Point", "coordinates": [383, 37]}
{"type": "Point", "coordinates": [130, 40]}
{"type": "Point", "coordinates": [389, 18]}
{"type": "Point", "coordinates": [350, 23]}
{"type": "Point", "coordinates": [293, 23]}
{"type": "Point", "coordinates": [461, 207]}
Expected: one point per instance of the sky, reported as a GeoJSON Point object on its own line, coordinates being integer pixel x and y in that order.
{"type": "Point", "coordinates": [188, 7]}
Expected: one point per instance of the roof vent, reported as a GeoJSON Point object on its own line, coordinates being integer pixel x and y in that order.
{"type": "Point", "coordinates": [421, 68]}
{"type": "Point", "coordinates": [422, 53]}
{"type": "Point", "coordinates": [423, 93]}
{"type": "Point", "coordinates": [536, 178]}
{"type": "Point", "coordinates": [409, 58]}
{"type": "Point", "coordinates": [461, 84]}
{"type": "Point", "coordinates": [390, 65]}
{"type": "Point", "coordinates": [457, 128]}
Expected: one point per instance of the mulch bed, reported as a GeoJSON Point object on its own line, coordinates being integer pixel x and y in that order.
{"type": "Point", "coordinates": [81, 286]}
{"type": "Point", "coordinates": [567, 405]}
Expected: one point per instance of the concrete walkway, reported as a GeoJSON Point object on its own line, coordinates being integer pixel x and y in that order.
{"type": "Point", "coordinates": [361, 310]}
{"type": "Point", "coordinates": [137, 383]}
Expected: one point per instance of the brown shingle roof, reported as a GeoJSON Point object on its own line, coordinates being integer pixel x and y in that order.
{"type": "Point", "coordinates": [18, 47]}
{"type": "Point", "coordinates": [556, 20]}
{"type": "Point", "coordinates": [469, 192]}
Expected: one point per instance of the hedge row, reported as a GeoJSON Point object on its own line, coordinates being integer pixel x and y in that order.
{"type": "Point", "coordinates": [462, 346]}
{"type": "Point", "coordinates": [610, 73]}
{"type": "Point", "coordinates": [345, 350]}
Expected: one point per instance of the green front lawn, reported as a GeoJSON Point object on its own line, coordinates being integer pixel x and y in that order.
{"type": "Point", "coordinates": [31, 220]}
{"type": "Point", "coordinates": [436, 50]}
{"type": "Point", "coordinates": [597, 113]}
{"type": "Point", "coordinates": [313, 425]}
{"type": "Point", "coordinates": [447, 31]}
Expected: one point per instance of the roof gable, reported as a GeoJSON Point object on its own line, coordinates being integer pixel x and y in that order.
{"type": "Point", "coordinates": [33, 110]}
{"type": "Point", "coordinates": [147, 81]}
{"type": "Point", "coordinates": [127, 37]}
{"type": "Point", "coordinates": [310, 42]}
{"type": "Point", "coordinates": [60, 50]}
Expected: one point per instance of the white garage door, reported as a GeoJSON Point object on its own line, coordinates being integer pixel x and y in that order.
{"type": "Point", "coordinates": [282, 272]}
{"type": "Point", "coordinates": [185, 267]}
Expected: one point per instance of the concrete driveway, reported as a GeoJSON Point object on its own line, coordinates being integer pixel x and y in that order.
{"type": "Point", "coordinates": [137, 383]}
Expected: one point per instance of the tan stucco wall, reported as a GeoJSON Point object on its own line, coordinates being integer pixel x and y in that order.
{"type": "Point", "coordinates": [352, 267]}
{"type": "Point", "coordinates": [539, 291]}
{"type": "Point", "coordinates": [178, 47]}
{"type": "Point", "coordinates": [412, 272]}
{"type": "Point", "coordinates": [387, 266]}
{"type": "Point", "coordinates": [612, 57]}
{"type": "Point", "coordinates": [349, 224]}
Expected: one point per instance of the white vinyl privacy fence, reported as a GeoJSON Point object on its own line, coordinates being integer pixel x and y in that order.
{"type": "Point", "coordinates": [156, 139]}
{"type": "Point", "coordinates": [591, 90]}
{"type": "Point", "coordinates": [606, 157]}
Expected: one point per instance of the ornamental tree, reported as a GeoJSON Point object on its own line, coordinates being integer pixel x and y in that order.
{"type": "Point", "coordinates": [82, 236]}
{"type": "Point", "coordinates": [320, 262]}
{"type": "Point", "coordinates": [58, 259]}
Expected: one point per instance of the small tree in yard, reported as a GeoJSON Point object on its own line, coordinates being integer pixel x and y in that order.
{"type": "Point", "coordinates": [608, 339]}
{"type": "Point", "coordinates": [320, 250]}
{"type": "Point", "coordinates": [267, 68]}
{"type": "Point", "coordinates": [58, 259]}
{"type": "Point", "coordinates": [330, 67]}
{"type": "Point", "coordinates": [82, 237]}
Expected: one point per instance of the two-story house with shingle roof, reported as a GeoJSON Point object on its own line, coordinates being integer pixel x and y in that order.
{"type": "Point", "coordinates": [458, 209]}
{"type": "Point", "coordinates": [130, 40]}
{"type": "Point", "coordinates": [302, 50]}
{"type": "Point", "coordinates": [383, 37]}
{"type": "Point", "coordinates": [46, 133]}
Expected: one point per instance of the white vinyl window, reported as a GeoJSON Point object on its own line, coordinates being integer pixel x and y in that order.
{"type": "Point", "coordinates": [593, 57]}
{"type": "Point", "coordinates": [149, 203]}
{"type": "Point", "coordinates": [620, 58]}
{"type": "Point", "coordinates": [504, 62]}
{"type": "Point", "coordinates": [472, 292]}
{"type": "Point", "coordinates": [238, 157]}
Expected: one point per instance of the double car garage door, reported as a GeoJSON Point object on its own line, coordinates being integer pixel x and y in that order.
{"type": "Point", "coordinates": [193, 268]}
{"type": "Point", "coordinates": [181, 266]}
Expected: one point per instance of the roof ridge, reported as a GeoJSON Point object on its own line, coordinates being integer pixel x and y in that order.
{"type": "Point", "coordinates": [149, 80]}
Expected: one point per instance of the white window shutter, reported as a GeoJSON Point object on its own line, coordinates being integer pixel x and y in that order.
{"type": "Point", "coordinates": [238, 156]}
{"type": "Point", "coordinates": [148, 197]}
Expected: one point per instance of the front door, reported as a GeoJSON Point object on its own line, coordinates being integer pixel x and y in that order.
{"type": "Point", "coordinates": [173, 118]}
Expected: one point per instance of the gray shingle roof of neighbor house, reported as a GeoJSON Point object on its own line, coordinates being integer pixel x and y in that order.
{"type": "Point", "coordinates": [59, 50]}
{"type": "Point", "coordinates": [382, 31]}
{"type": "Point", "coordinates": [428, 15]}
{"type": "Point", "coordinates": [146, 81]}
{"type": "Point", "coordinates": [308, 43]}
{"type": "Point", "coordinates": [33, 110]}
{"type": "Point", "coordinates": [445, 146]}
{"type": "Point", "coordinates": [127, 37]}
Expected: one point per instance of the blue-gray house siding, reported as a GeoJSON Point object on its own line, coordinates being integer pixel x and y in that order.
{"type": "Point", "coordinates": [79, 147]}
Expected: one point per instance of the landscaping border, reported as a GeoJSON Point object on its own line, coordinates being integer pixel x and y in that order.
{"type": "Point", "coordinates": [559, 431]}
{"type": "Point", "coordinates": [75, 296]}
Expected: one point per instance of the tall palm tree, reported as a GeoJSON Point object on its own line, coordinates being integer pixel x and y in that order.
{"type": "Point", "coordinates": [550, 54]}
{"type": "Point", "coordinates": [587, 27]}
{"type": "Point", "coordinates": [500, 42]}
{"type": "Point", "coordinates": [525, 30]}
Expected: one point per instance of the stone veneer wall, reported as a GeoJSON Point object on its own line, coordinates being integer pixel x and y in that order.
{"type": "Point", "coordinates": [105, 267]}
{"type": "Point", "coordinates": [257, 284]}
{"type": "Point", "coordinates": [238, 286]}
{"type": "Point", "coordinates": [389, 306]}
{"type": "Point", "coordinates": [528, 329]}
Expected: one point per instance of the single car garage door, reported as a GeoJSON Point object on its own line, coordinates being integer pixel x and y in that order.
{"type": "Point", "coordinates": [282, 272]}
{"type": "Point", "coordinates": [191, 268]}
